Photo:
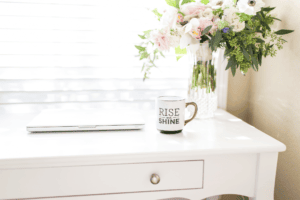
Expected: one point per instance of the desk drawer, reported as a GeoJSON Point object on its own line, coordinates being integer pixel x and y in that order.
{"type": "Point", "coordinates": [100, 179]}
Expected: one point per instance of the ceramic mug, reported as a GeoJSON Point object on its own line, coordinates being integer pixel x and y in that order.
{"type": "Point", "coordinates": [170, 114]}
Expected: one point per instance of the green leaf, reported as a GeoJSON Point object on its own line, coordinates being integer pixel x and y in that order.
{"type": "Point", "coordinates": [144, 55]}
{"type": "Point", "coordinates": [180, 51]}
{"type": "Point", "coordinates": [259, 40]}
{"type": "Point", "coordinates": [187, 1]}
{"type": "Point", "coordinates": [227, 51]}
{"type": "Point", "coordinates": [211, 43]}
{"type": "Point", "coordinates": [140, 48]}
{"type": "Point", "coordinates": [276, 18]}
{"type": "Point", "coordinates": [171, 3]}
{"type": "Point", "coordinates": [259, 17]}
{"type": "Point", "coordinates": [268, 47]}
{"type": "Point", "coordinates": [268, 9]}
{"type": "Point", "coordinates": [231, 62]}
{"type": "Point", "coordinates": [181, 13]}
{"type": "Point", "coordinates": [260, 56]}
{"type": "Point", "coordinates": [206, 30]}
{"type": "Point", "coordinates": [263, 15]}
{"type": "Point", "coordinates": [247, 31]}
{"type": "Point", "coordinates": [266, 25]}
{"type": "Point", "coordinates": [254, 61]}
{"type": "Point", "coordinates": [247, 26]}
{"type": "Point", "coordinates": [233, 70]}
{"type": "Point", "coordinates": [217, 39]}
{"type": "Point", "coordinates": [178, 57]}
{"type": "Point", "coordinates": [157, 14]}
{"type": "Point", "coordinates": [244, 17]}
{"type": "Point", "coordinates": [250, 50]}
{"type": "Point", "coordinates": [205, 2]}
{"type": "Point", "coordinates": [203, 39]}
{"type": "Point", "coordinates": [162, 54]}
{"type": "Point", "coordinates": [141, 36]}
{"type": "Point", "coordinates": [283, 32]}
{"type": "Point", "coordinates": [246, 54]}
{"type": "Point", "coordinates": [177, 3]}
{"type": "Point", "coordinates": [143, 67]}
{"type": "Point", "coordinates": [147, 33]}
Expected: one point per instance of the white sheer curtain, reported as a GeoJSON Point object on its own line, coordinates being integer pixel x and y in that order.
{"type": "Point", "coordinates": [80, 54]}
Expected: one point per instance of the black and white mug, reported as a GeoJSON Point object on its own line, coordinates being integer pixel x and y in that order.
{"type": "Point", "coordinates": [170, 114]}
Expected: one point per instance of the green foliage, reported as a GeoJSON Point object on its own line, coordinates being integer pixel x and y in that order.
{"type": "Point", "coordinates": [283, 32]}
{"type": "Point", "coordinates": [177, 3]}
{"type": "Point", "coordinates": [181, 13]}
{"type": "Point", "coordinates": [180, 51]}
{"type": "Point", "coordinates": [140, 48]}
{"type": "Point", "coordinates": [142, 37]}
{"type": "Point", "coordinates": [157, 14]}
{"type": "Point", "coordinates": [171, 2]}
{"type": "Point", "coordinates": [219, 12]}
{"type": "Point", "coordinates": [222, 24]}
{"type": "Point", "coordinates": [268, 9]}
{"type": "Point", "coordinates": [206, 30]}
{"type": "Point", "coordinates": [178, 57]}
{"type": "Point", "coordinates": [174, 3]}
{"type": "Point", "coordinates": [244, 17]}
{"type": "Point", "coordinates": [205, 2]}
{"type": "Point", "coordinates": [215, 40]}
{"type": "Point", "coordinates": [246, 49]}
{"type": "Point", "coordinates": [187, 1]}
{"type": "Point", "coordinates": [144, 54]}
{"type": "Point", "coordinates": [276, 19]}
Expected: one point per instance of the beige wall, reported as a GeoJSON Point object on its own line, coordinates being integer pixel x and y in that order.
{"type": "Point", "coordinates": [270, 100]}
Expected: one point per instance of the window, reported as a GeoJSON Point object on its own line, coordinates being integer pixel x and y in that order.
{"type": "Point", "coordinates": [80, 54]}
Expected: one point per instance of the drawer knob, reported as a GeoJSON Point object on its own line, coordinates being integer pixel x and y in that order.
{"type": "Point", "coordinates": [154, 179]}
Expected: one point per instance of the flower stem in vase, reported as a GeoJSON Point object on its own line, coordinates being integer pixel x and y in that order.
{"type": "Point", "coordinates": [202, 86]}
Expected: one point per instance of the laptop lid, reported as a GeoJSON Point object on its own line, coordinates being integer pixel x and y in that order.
{"type": "Point", "coordinates": [82, 120]}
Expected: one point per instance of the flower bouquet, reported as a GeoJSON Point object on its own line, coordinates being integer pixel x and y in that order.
{"type": "Point", "coordinates": [244, 28]}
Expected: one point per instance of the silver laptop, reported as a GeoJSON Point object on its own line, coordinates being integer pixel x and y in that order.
{"type": "Point", "coordinates": [86, 120]}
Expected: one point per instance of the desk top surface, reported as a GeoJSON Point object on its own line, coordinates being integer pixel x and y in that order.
{"type": "Point", "coordinates": [223, 134]}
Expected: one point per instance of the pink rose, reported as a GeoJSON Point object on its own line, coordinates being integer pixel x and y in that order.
{"type": "Point", "coordinates": [204, 22]}
{"type": "Point", "coordinates": [161, 40]}
{"type": "Point", "coordinates": [192, 8]}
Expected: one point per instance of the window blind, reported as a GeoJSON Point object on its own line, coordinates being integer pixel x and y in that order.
{"type": "Point", "coordinates": [80, 54]}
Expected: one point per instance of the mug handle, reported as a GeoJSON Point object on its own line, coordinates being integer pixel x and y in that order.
{"type": "Point", "coordinates": [195, 113]}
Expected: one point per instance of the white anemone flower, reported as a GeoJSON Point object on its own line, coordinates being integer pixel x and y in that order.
{"type": "Point", "coordinates": [245, 7]}
{"type": "Point", "coordinates": [186, 38]}
{"type": "Point", "coordinates": [193, 24]}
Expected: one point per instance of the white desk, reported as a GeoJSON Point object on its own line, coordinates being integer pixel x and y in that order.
{"type": "Point", "coordinates": [211, 157]}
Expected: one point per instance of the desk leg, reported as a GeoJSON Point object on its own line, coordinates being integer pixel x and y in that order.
{"type": "Point", "coordinates": [265, 176]}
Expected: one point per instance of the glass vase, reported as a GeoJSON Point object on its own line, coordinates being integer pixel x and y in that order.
{"type": "Point", "coordinates": [202, 81]}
